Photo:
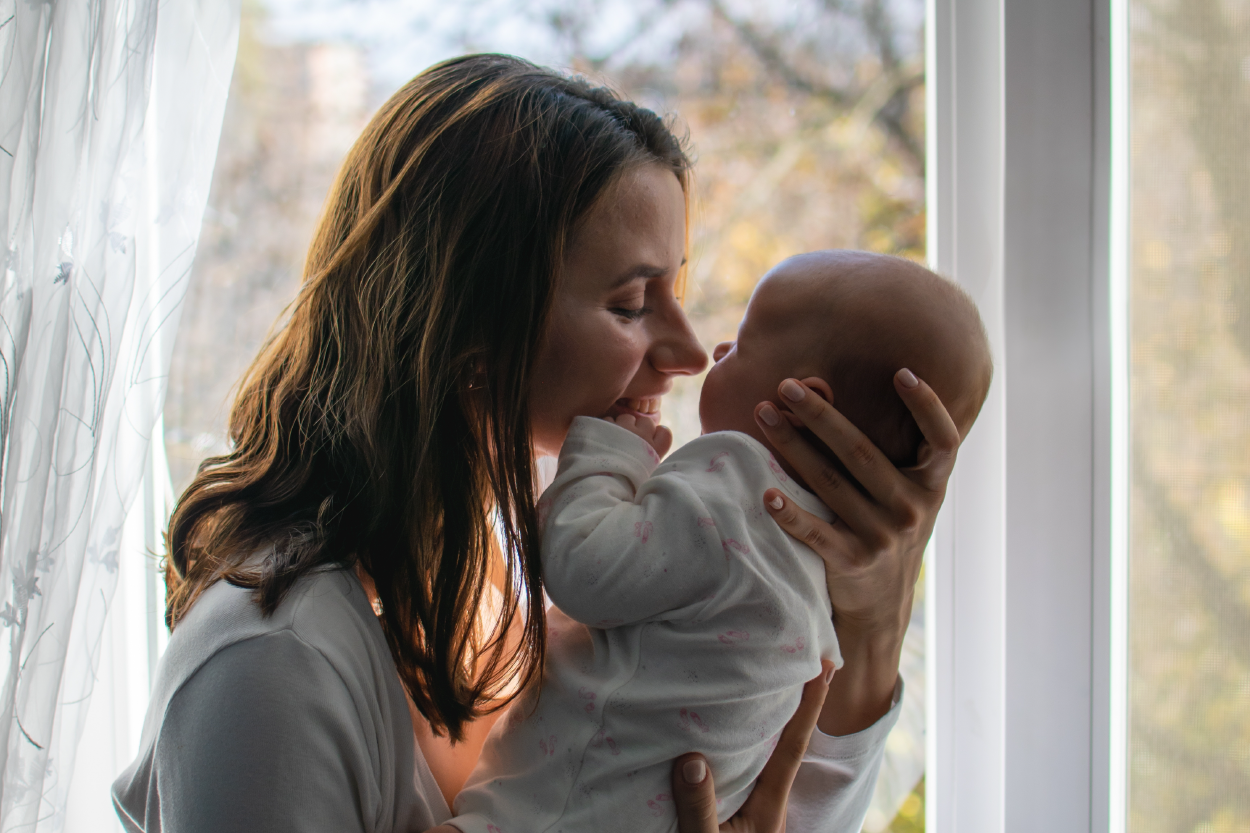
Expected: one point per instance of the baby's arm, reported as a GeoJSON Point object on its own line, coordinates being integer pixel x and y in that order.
{"type": "Point", "coordinates": [620, 546]}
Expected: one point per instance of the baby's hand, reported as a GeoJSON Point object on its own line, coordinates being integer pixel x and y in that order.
{"type": "Point", "coordinates": [657, 436]}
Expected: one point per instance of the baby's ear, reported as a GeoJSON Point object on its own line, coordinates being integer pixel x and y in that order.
{"type": "Point", "coordinates": [820, 386]}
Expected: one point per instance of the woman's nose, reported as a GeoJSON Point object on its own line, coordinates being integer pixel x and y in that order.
{"type": "Point", "coordinates": [676, 350]}
{"type": "Point", "coordinates": [719, 351]}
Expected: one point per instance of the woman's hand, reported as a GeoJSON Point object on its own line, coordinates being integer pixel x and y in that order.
{"type": "Point", "coordinates": [765, 809]}
{"type": "Point", "coordinates": [873, 551]}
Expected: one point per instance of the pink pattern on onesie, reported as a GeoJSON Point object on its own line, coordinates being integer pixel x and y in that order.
{"type": "Point", "coordinates": [795, 648]}
{"type": "Point", "coordinates": [642, 529]}
{"type": "Point", "coordinates": [657, 804]}
{"type": "Point", "coordinates": [548, 746]}
{"type": "Point", "coordinates": [688, 717]}
{"type": "Point", "coordinates": [717, 463]}
{"type": "Point", "coordinates": [587, 695]}
{"type": "Point", "coordinates": [777, 470]}
{"type": "Point", "coordinates": [600, 739]}
{"type": "Point", "coordinates": [733, 637]}
{"type": "Point", "coordinates": [734, 544]}
{"type": "Point", "coordinates": [706, 522]}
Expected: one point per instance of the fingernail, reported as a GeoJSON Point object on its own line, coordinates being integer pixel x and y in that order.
{"type": "Point", "coordinates": [829, 671]}
{"type": "Point", "coordinates": [908, 378]}
{"type": "Point", "coordinates": [770, 416]}
{"type": "Point", "coordinates": [694, 771]}
{"type": "Point", "coordinates": [792, 390]}
{"type": "Point", "coordinates": [776, 503]}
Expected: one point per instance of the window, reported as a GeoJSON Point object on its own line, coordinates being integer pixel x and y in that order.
{"type": "Point", "coordinates": [1088, 626]}
{"type": "Point", "coordinates": [1189, 388]}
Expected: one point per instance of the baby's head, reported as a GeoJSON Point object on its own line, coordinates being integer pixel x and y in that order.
{"type": "Point", "coordinates": [852, 319]}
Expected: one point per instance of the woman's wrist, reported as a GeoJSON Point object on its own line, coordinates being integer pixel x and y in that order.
{"type": "Point", "coordinates": [862, 691]}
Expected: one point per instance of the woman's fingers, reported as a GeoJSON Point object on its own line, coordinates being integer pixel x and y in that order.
{"type": "Point", "coordinates": [941, 436]}
{"type": "Point", "coordinates": [765, 808]}
{"type": "Point", "coordinates": [694, 794]}
{"type": "Point", "coordinates": [803, 525]}
{"type": "Point", "coordinates": [816, 469]}
{"type": "Point", "coordinates": [864, 461]}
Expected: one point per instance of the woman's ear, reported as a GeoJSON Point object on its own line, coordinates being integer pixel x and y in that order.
{"type": "Point", "coordinates": [820, 386]}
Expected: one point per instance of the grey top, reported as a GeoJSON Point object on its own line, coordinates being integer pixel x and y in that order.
{"type": "Point", "coordinates": [298, 722]}
{"type": "Point", "coordinates": [295, 722]}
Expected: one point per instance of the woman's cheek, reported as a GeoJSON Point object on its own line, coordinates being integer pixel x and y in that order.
{"type": "Point", "coordinates": [617, 361]}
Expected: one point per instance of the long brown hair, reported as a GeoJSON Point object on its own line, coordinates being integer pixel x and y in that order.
{"type": "Point", "coordinates": [389, 417]}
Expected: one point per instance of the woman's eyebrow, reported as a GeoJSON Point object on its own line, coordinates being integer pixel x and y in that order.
{"type": "Point", "coordinates": [642, 270]}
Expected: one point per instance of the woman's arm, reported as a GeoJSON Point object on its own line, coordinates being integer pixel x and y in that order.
{"type": "Point", "coordinates": [873, 551]}
{"type": "Point", "coordinates": [264, 736]}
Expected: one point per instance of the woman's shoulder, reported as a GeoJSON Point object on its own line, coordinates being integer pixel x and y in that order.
{"type": "Point", "coordinates": [313, 680]}
{"type": "Point", "coordinates": [326, 609]}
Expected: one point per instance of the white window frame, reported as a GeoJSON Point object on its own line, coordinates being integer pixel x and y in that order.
{"type": "Point", "coordinates": [1027, 210]}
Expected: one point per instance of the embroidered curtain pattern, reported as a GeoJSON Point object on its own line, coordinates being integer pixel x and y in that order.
{"type": "Point", "coordinates": [110, 111]}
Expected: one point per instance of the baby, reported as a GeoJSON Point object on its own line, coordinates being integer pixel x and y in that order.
{"type": "Point", "coordinates": [688, 620]}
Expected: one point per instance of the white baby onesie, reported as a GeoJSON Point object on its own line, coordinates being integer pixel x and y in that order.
{"type": "Point", "coordinates": [688, 621]}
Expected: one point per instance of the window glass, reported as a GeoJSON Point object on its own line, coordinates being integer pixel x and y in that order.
{"type": "Point", "coordinates": [1189, 579]}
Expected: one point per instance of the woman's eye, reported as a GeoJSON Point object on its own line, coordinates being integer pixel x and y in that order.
{"type": "Point", "coordinates": [630, 314]}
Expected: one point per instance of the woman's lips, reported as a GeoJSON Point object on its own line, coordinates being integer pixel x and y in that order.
{"type": "Point", "coordinates": [648, 406]}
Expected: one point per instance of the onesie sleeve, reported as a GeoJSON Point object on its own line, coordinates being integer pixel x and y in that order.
{"type": "Point", "coordinates": [834, 785]}
{"type": "Point", "coordinates": [621, 546]}
{"type": "Point", "coordinates": [264, 736]}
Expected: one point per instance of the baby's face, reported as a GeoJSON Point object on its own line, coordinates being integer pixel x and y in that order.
{"type": "Point", "coordinates": [770, 346]}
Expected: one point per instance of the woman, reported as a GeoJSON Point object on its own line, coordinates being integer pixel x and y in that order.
{"type": "Point", "coordinates": [501, 253]}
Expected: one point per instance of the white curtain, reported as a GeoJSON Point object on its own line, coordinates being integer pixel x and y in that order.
{"type": "Point", "coordinates": [110, 112]}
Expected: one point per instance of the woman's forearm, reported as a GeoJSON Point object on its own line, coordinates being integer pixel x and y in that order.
{"type": "Point", "coordinates": [862, 691]}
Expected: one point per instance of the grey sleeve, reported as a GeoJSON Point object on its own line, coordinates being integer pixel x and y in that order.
{"type": "Point", "coordinates": [265, 736]}
{"type": "Point", "coordinates": [835, 782]}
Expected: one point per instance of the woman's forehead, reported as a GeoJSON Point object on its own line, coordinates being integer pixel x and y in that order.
{"type": "Point", "coordinates": [637, 229]}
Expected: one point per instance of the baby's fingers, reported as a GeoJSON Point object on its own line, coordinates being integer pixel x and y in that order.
{"type": "Point", "coordinates": [662, 440]}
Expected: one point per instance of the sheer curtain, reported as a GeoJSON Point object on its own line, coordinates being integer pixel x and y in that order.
{"type": "Point", "coordinates": [110, 111]}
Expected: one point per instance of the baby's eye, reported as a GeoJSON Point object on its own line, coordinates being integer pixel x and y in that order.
{"type": "Point", "coordinates": [630, 314]}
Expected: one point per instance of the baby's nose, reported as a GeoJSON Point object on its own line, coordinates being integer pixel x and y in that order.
{"type": "Point", "coordinates": [719, 351]}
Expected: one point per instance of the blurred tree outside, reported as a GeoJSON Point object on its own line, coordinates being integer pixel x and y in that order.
{"type": "Point", "coordinates": [806, 119]}
{"type": "Point", "coordinates": [1189, 653]}
{"type": "Point", "coordinates": [293, 112]}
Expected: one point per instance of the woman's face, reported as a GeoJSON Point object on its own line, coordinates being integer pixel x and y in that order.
{"type": "Point", "coordinates": [617, 335]}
